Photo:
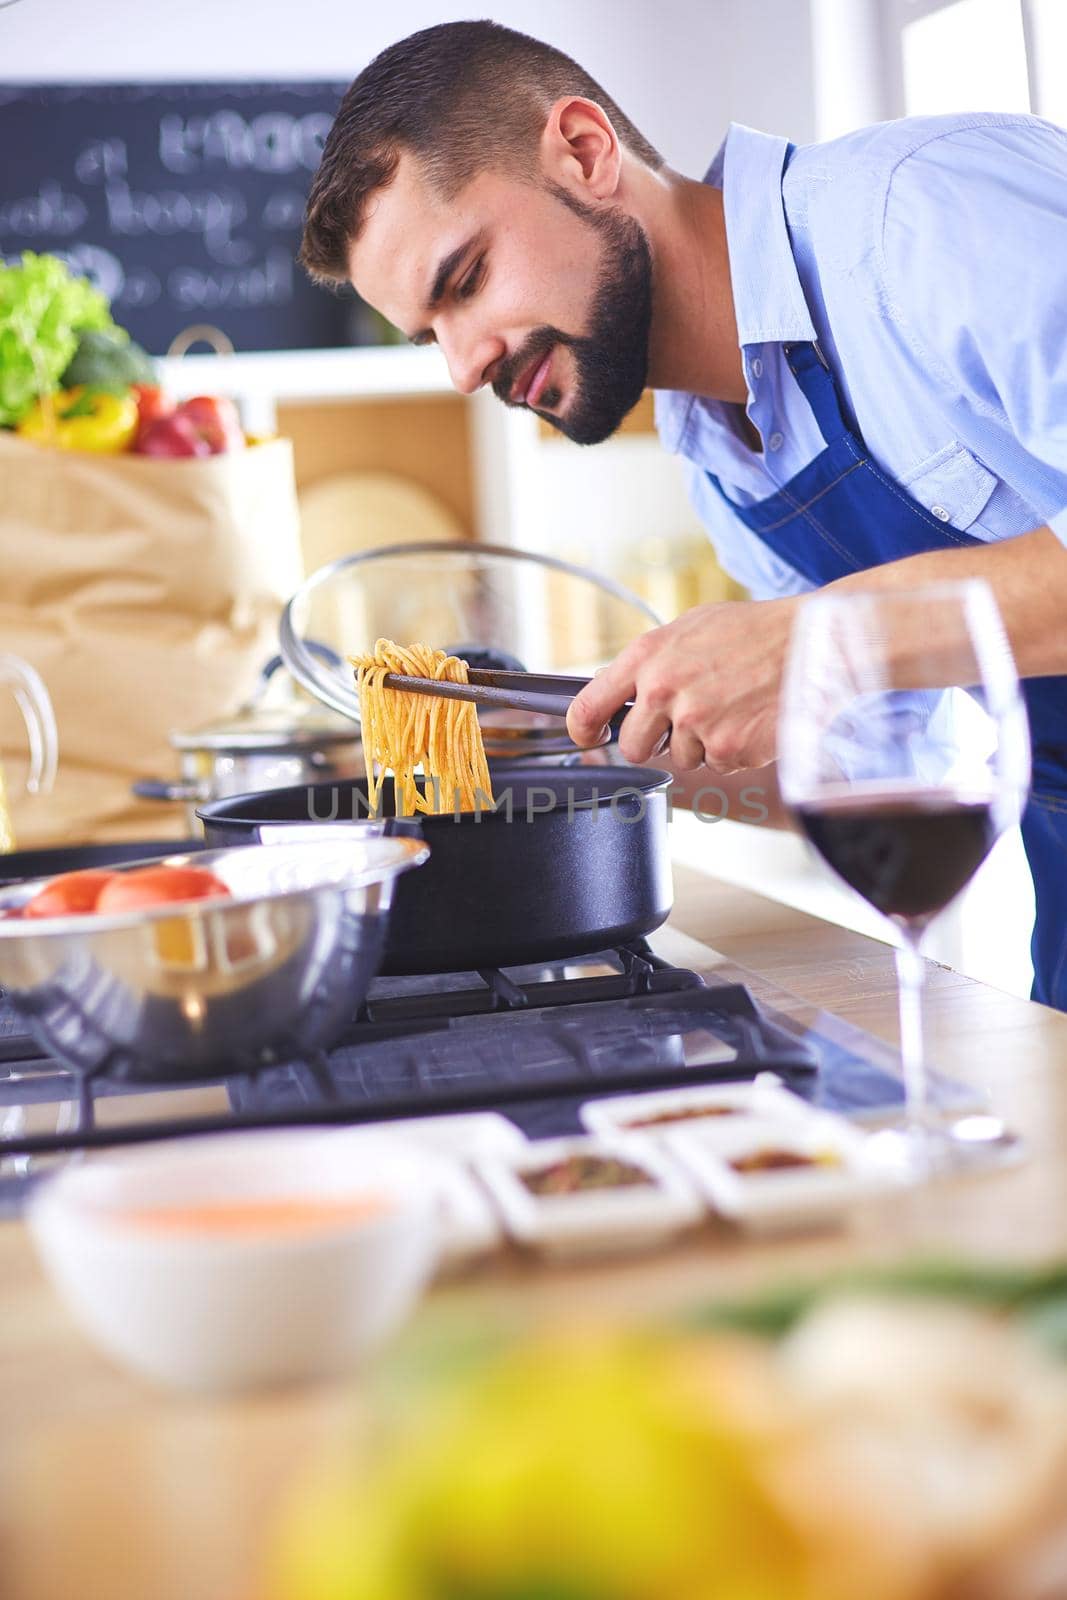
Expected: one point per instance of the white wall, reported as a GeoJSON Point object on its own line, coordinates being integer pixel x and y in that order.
{"type": "Point", "coordinates": [681, 68]}
{"type": "Point", "coordinates": [851, 76]}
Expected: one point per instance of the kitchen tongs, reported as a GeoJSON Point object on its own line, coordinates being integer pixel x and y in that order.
{"type": "Point", "coordinates": [517, 691]}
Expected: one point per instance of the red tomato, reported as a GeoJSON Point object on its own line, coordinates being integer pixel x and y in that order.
{"type": "Point", "coordinates": [71, 895]}
{"type": "Point", "coordinates": [157, 886]}
{"type": "Point", "coordinates": [152, 403]}
{"type": "Point", "coordinates": [216, 419]}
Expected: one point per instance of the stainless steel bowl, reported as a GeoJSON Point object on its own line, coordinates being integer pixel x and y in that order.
{"type": "Point", "coordinates": [204, 989]}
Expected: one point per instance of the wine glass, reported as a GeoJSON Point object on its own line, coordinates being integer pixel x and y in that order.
{"type": "Point", "coordinates": [904, 753]}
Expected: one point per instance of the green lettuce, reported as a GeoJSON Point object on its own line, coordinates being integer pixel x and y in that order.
{"type": "Point", "coordinates": [44, 309]}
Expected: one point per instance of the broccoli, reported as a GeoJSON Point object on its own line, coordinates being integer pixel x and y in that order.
{"type": "Point", "coordinates": [108, 359]}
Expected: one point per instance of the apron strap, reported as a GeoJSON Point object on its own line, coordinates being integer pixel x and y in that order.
{"type": "Point", "coordinates": [816, 383]}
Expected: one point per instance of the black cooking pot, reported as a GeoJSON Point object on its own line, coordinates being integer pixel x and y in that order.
{"type": "Point", "coordinates": [571, 860]}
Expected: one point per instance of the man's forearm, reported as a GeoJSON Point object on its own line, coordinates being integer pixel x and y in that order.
{"type": "Point", "coordinates": [1028, 576]}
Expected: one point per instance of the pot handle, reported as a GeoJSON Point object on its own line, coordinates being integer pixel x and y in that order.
{"type": "Point", "coordinates": [159, 789]}
{"type": "Point", "coordinates": [275, 664]}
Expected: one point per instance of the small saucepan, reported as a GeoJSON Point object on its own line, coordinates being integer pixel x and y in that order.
{"type": "Point", "coordinates": [263, 746]}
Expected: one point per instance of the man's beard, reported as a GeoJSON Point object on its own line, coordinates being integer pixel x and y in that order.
{"type": "Point", "coordinates": [611, 361]}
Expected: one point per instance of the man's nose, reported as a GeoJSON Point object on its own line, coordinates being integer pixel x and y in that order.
{"type": "Point", "coordinates": [470, 363]}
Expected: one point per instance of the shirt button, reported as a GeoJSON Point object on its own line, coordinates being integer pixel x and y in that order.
{"type": "Point", "coordinates": [757, 368]}
{"type": "Point", "coordinates": [776, 441]}
{"type": "Point", "coordinates": [940, 513]}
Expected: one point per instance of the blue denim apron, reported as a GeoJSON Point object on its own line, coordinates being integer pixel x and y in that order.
{"type": "Point", "coordinates": [841, 514]}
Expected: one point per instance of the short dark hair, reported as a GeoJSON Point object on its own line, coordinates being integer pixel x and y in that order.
{"type": "Point", "coordinates": [431, 94]}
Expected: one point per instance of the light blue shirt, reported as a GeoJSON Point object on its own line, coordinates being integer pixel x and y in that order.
{"type": "Point", "coordinates": [928, 258]}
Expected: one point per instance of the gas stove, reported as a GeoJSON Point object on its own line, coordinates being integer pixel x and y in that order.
{"type": "Point", "coordinates": [532, 1042]}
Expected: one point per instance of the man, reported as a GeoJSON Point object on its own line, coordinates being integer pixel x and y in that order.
{"type": "Point", "coordinates": [861, 349]}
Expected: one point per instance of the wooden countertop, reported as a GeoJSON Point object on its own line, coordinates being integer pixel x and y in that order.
{"type": "Point", "coordinates": [114, 1491]}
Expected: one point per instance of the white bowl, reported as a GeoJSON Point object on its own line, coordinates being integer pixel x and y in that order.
{"type": "Point", "coordinates": [228, 1308]}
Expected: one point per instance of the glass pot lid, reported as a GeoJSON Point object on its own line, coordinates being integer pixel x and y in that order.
{"type": "Point", "coordinates": [533, 611]}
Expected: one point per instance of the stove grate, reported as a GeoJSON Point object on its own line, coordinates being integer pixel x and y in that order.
{"type": "Point", "coordinates": [524, 1037]}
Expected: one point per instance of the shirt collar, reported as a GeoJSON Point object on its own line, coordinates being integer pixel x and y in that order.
{"type": "Point", "coordinates": [769, 302]}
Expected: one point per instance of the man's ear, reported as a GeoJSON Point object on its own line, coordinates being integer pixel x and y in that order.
{"type": "Point", "coordinates": [580, 149]}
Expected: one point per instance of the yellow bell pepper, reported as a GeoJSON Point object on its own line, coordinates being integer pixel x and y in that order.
{"type": "Point", "coordinates": [577, 1468]}
{"type": "Point", "coordinates": [82, 419]}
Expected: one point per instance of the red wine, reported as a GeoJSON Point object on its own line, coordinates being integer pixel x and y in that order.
{"type": "Point", "coordinates": [907, 856]}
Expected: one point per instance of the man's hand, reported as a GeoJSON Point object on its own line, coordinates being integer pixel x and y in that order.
{"type": "Point", "coordinates": [711, 680]}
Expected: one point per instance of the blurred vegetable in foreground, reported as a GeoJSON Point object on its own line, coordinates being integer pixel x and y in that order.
{"type": "Point", "coordinates": [572, 1473]}
{"type": "Point", "coordinates": [886, 1451]}
{"type": "Point", "coordinates": [43, 310]}
{"type": "Point", "coordinates": [1036, 1296]}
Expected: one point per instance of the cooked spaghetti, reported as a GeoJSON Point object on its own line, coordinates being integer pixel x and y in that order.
{"type": "Point", "coordinates": [407, 733]}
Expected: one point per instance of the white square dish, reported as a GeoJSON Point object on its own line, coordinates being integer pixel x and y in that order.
{"type": "Point", "coordinates": [622, 1216]}
{"type": "Point", "coordinates": [659, 1112]}
{"type": "Point", "coordinates": [836, 1167]}
{"type": "Point", "coordinates": [469, 1227]}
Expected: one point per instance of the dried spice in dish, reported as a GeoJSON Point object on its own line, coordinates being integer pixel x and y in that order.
{"type": "Point", "coordinates": [580, 1174]}
{"type": "Point", "coordinates": [771, 1160]}
{"type": "Point", "coordinates": [683, 1114]}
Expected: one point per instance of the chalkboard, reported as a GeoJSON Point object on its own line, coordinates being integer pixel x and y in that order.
{"type": "Point", "coordinates": [182, 202]}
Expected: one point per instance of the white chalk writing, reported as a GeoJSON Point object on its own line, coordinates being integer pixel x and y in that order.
{"type": "Point", "coordinates": [100, 160]}
{"type": "Point", "coordinates": [50, 213]}
{"type": "Point", "coordinates": [285, 210]}
{"type": "Point", "coordinates": [123, 286]}
{"type": "Point", "coordinates": [268, 284]}
{"type": "Point", "coordinates": [271, 142]}
{"type": "Point", "coordinates": [215, 229]}
{"type": "Point", "coordinates": [214, 216]}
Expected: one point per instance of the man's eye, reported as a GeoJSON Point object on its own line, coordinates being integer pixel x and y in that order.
{"type": "Point", "coordinates": [470, 283]}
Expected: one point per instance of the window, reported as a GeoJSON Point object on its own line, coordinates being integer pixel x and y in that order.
{"type": "Point", "coordinates": [966, 55]}
{"type": "Point", "coordinates": [1046, 43]}
{"type": "Point", "coordinates": [977, 55]}
{"type": "Point", "coordinates": [876, 59]}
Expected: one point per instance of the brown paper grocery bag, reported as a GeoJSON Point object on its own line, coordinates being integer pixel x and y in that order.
{"type": "Point", "coordinates": [146, 592]}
